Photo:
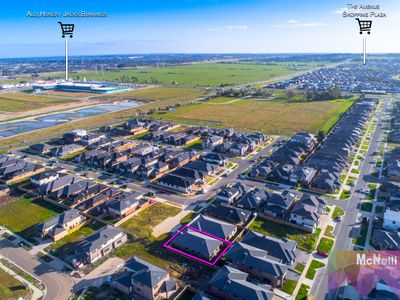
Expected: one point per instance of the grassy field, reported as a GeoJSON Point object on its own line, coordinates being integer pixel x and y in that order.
{"type": "Point", "coordinates": [23, 214]}
{"type": "Point", "coordinates": [25, 102]}
{"type": "Point", "coordinates": [10, 288]}
{"type": "Point", "coordinates": [325, 244]}
{"type": "Point", "coordinates": [142, 225]}
{"type": "Point", "coordinates": [289, 286]}
{"type": "Point", "coordinates": [202, 74]}
{"type": "Point", "coordinates": [161, 94]}
{"type": "Point", "coordinates": [114, 117]}
{"type": "Point", "coordinates": [306, 241]}
{"type": "Point", "coordinates": [303, 292]}
{"type": "Point", "coordinates": [270, 116]}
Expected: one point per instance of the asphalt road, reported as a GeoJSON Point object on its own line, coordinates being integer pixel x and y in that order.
{"type": "Point", "coordinates": [58, 286]}
{"type": "Point", "coordinates": [346, 229]}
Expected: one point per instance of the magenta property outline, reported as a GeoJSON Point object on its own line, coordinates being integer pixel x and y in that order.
{"type": "Point", "coordinates": [229, 244]}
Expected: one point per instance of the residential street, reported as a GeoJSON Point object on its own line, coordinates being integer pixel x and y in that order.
{"type": "Point", "coordinates": [349, 226]}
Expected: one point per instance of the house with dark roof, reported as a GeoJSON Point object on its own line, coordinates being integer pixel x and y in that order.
{"type": "Point", "coordinates": [307, 211]}
{"type": "Point", "coordinates": [214, 226]}
{"type": "Point", "coordinates": [177, 183]}
{"type": "Point", "coordinates": [42, 148]}
{"type": "Point", "coordinates": [253, 199]}
{"type": "Point", "coordinates": [279, 204]}
{"type": "Point", "coordinates": [198, 244]}
{"type": "Point", "coordinates": [214, 158]}
{"type": "Point", "coordinates": [58, 184]}
{"type": "Point", "coordinates": [187, 173]}
{"type": "Point", "coordinates": [204, 168]}
{"type": "Point", "coordinates": [61, 225]}
{"type": "Point", "coordinates": [258, 263]}
{"type": "Point", "coordinates": [231, 283]}
{"type": "Point", "coordinates": [384, 239]}
{"type": "Point", "coordinates": [282, 250]}
{"type": "Point", "coordinates": [99, 199]}
{"type": "Point", "coordinates": [45, 177]}
{"type": "Point", "coordinates": [100, 243]}
{"type": "Point", "coordinates": [231, 193]}
{"type": "Point", "coordinates": [67, 149]}
{"type": "Point", "coordinates": [145, 280]}
{"type": "Point", "coordinates": [212, 142]}
{"type": "Point", "coordinates": [228, 213]}
{"type": "Point", "coordinates": [124, 204]}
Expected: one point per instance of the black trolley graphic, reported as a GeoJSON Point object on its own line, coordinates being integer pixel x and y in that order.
{"type": "Point", "coordinates": [67, 29]}
{"type": "Point", "coordinates": [365, 25]}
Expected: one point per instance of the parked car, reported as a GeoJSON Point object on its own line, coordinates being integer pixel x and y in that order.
{"type": "Point", "coordinates": [322, 253]}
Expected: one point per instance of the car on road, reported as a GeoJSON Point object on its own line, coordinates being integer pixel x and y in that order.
{"type": "Point", "coordinates": [338, 219]}
{"type": "Point", "coordinates": [322, 253]}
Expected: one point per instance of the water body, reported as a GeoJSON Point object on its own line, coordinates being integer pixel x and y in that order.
{"type": "Point", "coordinates": [18, 127]}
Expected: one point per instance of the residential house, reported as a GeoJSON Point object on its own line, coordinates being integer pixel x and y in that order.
{"type": "Point", "coordinates": [215, 227]}
{"type": "Point", "coordinates": [231, 284]}
{"type": "Point", "coordinates": [215, 158]}
{"type": "Point", "coordinates": [231, 193]}
{"type": "Point", "coordinates": [385, 239]}
{"type": "Point", "coordinates": [176, 183]}
{"type": "Point", "coordinates": [100, 243]}
{"type": "Point", "coordinates": [198, 244]}
{"type": "Point", "coordinates": [257, 263]}
{"type": "Point", "coordinates": [253, 199]}
{"type": "Point", "coordinates": [228, 213]}
{"type": "Point", "coordinates": [61, 225]}
{"type": "Point", "coordinates": [391, 220]}
{"type": "Point", "coordinates": [145, 280]}
{"type": "Point", "coordinates": [45, 177]}
{"type": "Point", "coordinates": [279, 204]}
{"type": "Point", "coordinates": [124, 204]}
{"type": "Point", "coordinates": [282, 250]}
{"type": "Point", "coordinates": [42, 148]}
{"type": "Point", "coordinates": [307, 211]}
{"type": "Point", "coordinates": [213, 141]}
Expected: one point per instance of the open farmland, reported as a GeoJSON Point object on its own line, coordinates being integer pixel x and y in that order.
{"type": "Point", "coordinates": [160, 94]}
{"type": "Point", "coordinates": [25, 102]}
{"type": "Point", "coordinates": [270, 116]}
{"type": "Point", "coordinates": [202, 74]}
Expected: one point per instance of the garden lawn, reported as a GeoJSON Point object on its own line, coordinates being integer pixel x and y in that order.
{"type": "Point", "coordinates": [23, 214]}
{"type": "Point", "coordinates": [306, 241]}
{"type": "Point", "coordinates": [312, 269]}
{"type": "Point", "coordinates": [325, 244]}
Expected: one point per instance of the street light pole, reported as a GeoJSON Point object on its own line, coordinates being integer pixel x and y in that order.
{"type": "Point", "coordinates": [66, 58]}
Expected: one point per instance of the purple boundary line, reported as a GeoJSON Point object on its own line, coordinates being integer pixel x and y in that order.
{"type": "Point", "coordinates": [192, 256]}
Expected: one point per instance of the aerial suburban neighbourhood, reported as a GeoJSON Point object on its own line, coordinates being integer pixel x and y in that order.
{"type": "Point", "coordinates": [250, 175]}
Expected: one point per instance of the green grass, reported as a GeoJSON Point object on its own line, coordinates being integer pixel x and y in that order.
{"type": "Point", "coordinates": [360, 241]}
{"type": "Point", "coordinates": [188, 218]}
{"type": "Point", "coordinates": [289, 286]}
{"type": "Point", "coordinates": [303, 292]}
{"type": "Point", "coordinates": [312, 269]}
{"type": "Point", "coordinates": [203, 74]}
{"type": "Point", "coordinates": [366, 206]}
{"type": "Point", "coordinates": [306, 241]}
{"type": "Point", "coordinates": [325, 244]}
{"type": "Point", "coordinates": [355, 171]}
{"type": "Point", "coordinates": [141, 226]}
{"type": "Point", "coordinates": [267, 116]}
{"type": "Point", "coordinates": [299, 267]}
{"type": "Point", "coordinates": [23, 214]}
{"type": "Point", "coordinates": [10, 288]}
{"type": "Point", "coordinates": [329, 231]}
{"type": "Point", "coordinates": [25, 102]}
{"type": "Point", "coordinates": [64, 245]}
{"type": "Point", "coordinates": [345, 194]}
{"type": "Point", "coordinates": [337, 212]}
{"type": "Point", "coordinates": [140, 135]}
{"type": "Point", "coordinates": [22, 273]}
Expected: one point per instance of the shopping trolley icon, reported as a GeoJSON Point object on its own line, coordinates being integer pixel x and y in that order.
{"type": "Point", "coordinates": [365, 25]}
{"type": "Point", "coordinates": [67, 29]}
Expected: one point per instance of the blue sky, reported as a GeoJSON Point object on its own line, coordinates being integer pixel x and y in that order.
{"type": "Point", "coordinates": [193, 26]}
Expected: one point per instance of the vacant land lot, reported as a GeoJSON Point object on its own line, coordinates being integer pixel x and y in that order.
{"type": "Point", "coordinates": [23, 214]}
{"type": "Point", "coordinates": [202, 74]}
{"type": "Point", "coordinates": [10, 288]}
{"type": "Point", "coordinates": [24, 102]}
{"type": "Point", "coordinates": [141, 226]}
{"type": "Point", "coordinates": [270, 116]}
{"type": "Point", "coordinates": [306, 241]}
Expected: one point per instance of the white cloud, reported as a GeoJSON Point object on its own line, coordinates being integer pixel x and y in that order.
{"type": "Point", "coordinates": [227, 28]}
{"type": "Point", "coordinates": [292, 21]}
